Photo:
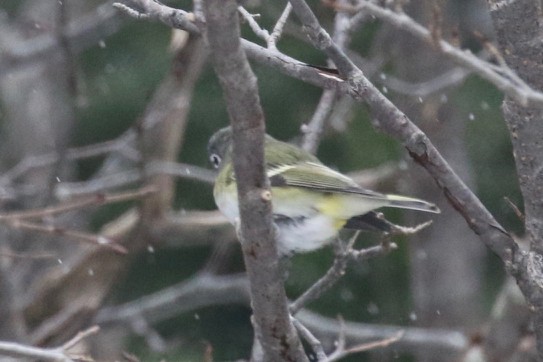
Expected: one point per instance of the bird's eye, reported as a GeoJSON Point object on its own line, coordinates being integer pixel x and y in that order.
{"type": "Point", "coordinates": [215, 160]}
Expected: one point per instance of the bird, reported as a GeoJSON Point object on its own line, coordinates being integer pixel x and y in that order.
{"type": "Point", "coordinates": [311, 202]}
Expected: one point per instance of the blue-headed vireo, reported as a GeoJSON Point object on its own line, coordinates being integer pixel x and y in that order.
{"type": "Point", "coordinates": [310, 201]}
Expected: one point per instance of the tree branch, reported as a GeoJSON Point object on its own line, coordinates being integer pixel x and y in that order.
{"type": "Point", "coordinates": [204, 290]}
{"type": "Point", "coordinates": [502, 77]}
{"type": "Point", "coordinates": [200, 291]}
{"type": "Point", "coordinates": [396, 124]}
{"type": "Point", "coordinates": [273, 327]}
{"type": "Point", "coordinates": [448, 341]}
{"type": "Point", "coordinates": [58, 354]}
{"type": "Point", "coordinates": [344, 254]}
{"type": "Point", "coordinates": [518, 27]}
{"type": "Point", "coordinates": [146, 9]}
{"type": "Point", "coordinates": [95, 200]}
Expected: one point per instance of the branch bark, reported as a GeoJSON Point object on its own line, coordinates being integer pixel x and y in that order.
{"type": "Point", "coordinates": [518, 27]}
{"type": "Point", "coordinates": [273, 326]}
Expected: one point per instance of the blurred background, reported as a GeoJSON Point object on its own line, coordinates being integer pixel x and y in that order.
{"type": "Point", "coordinates": [111, 104]}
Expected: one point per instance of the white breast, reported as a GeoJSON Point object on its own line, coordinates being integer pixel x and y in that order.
{"type": "Point", "coordinates": [300, 237]}
{"type": "Point", "coordinates": [228, 205]}
{"type": "Point", "coordinates": [306, 235]}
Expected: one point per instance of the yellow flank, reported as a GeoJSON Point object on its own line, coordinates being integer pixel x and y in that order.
{"type": "Point", "coordinates": [293, 201]}
{"type": "Point", "coordinates": [296, 201]}
{"type": "Point", "coordinates": [345, 206]}
{"type": "Point", "coordinates": [329, 205]}
{"type": "Point", "coordinates": [332, 206]}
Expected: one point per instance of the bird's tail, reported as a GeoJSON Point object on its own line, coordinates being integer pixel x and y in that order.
{"type": "Point", "coordinates": [403, 202]}
{"type": "Point", "coordinates": [371, 221]}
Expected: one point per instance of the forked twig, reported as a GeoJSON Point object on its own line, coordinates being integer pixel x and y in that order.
{"type": "Point", "coordinates": [340, 353]}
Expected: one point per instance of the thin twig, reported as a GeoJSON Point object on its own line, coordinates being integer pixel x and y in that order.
{"type": "Point", "coordinates": [250, 19]}
{"type": "Point", "coordinates": [131, 11]}
{"type": "Point", "coordinates": [502, 67]}
{"type": "Point", "coordinates": [344, 253]}
{"type": "Point", "coordinates": [16, 350]}
{"type": "Point", "coordinates": [451, 342]}
{"type": "Point", "coordinates": [149, 9]}
{"type": "Point", "coordinates": [315, 344]}
{"type": "Point", "coordinates": [4, 252]}
{"type": "Point", "coordinates": [186, 171]}
{"type": "Point", "coordinates": [98, 184]}
{"type": "Point", "coordinates": [58, 354]}
{"type": "Point", "coordinates": [410, 230]}
{"type": "Point", "coordinates": [342, 339]}
{"type": "Point", "coordinates": [202, 290]}
{"type": "Point", "coordinates": [374, 251]}
{"type": "Point", "coordinates": [505, 80]}
{"type": "Point", "coordinates": [515, 208]}
{"type": "Point", "coordinates": [29, 163]}
{"type": "Point", "coordinates": [343, 26]}
{"type": "Point", "coordinates": [124, 178]}
{"type": "Point", "coordinates": [130, 357]}
{"type": "Point", "coordinates": [336, 271]}
{"type": "Point", "coordinates": [314, 129]}
{"type": "Point", "coordinates": [99, 199]}
{"type": "Point", "coordinates": [97, 240]}
{"type": "Point", "coordinates": [142, 328]}
{"type": "Point", "coordinates": [19, 220]}
{"type": "Point", "coordinates": [339, 354]}
{"type": "Point", "coordinates": [278, 28]}
{"type": "Point", "coordinates": [424, 89]}
{"type": "Point", "coordinates": [80, 336]}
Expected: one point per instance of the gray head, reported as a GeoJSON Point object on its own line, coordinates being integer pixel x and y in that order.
{"type": "Point", "coordinates": [218, 146]}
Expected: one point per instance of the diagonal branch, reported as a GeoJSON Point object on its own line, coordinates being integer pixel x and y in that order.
{"type": "Point", "coordinates": [396, 124]}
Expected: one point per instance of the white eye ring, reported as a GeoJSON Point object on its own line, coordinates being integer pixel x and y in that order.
{"type": "Point", "coordinates": [215, 160]}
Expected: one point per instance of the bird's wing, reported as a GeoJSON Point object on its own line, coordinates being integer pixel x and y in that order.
{"type": "Point", "coordinates": [316, 176]}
